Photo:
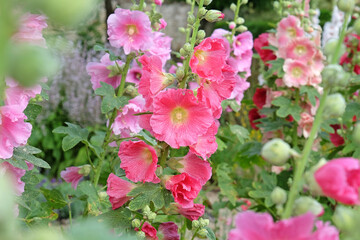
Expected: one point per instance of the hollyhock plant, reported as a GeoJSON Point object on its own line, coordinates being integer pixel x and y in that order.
{"type": "Point", "coordinates": [299, 49]}
{"type": "Point", "coordinates": [101, 72]}
{"type": "Point", "coordinates": [242, 43]}
{"type": "Point", "coordinates": [192, 213]}
{"type": "Point", "coordinates": [179, 118]}
{"type": "Point", "coordinates": [139, 161]}
{"type": "Point", "coordinates": [169, 231]}
{"type": "Point", "coordinates": [117, 189]}
{"type": "Point", "coordinates": [206, 144]}
{"type": "Point", "coordinates": [265, 54]}
{"type": "Point", "coordinates": [184, 189]}
{"type": "Point", "coordinates": [30, 30]}
{"type": "Point", "coordinates": [130, 30]}
{"type": "Point", "coordinates": [339, 179]}
{"type": "Point", "coordinates": [150, 231]}
{"type": "Point", "coordinates": [335, 138]}
{"type": "Point", "coordinates": [15, 175]}
{"type": "Point", "coordinates": [288, 29]}
{"type": "Point", "coordinates": [296, 73]}
{"type": "Point", "coordinates": [72, 175]}
{"type": "Point", "coordinates": [161, 47]}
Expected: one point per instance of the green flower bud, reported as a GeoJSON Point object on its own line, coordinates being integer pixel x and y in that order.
{"type": "Point", "coordinates": [202, 12]}
{"type": "Point", "coordinates": [135, 223]}
{"type": "Point", "coordinates": [334, 106]}
{"type": "Point", "coordinates": [146, 210]}
{"type": "Point", "coordinates": [214, 16]}
{"type": "Point", "coordinates": [85, 170]}
{"type": "Point", "coordinates": [310, 181]}
{"type": "Point", "coordinates": [276, 4]}
{"type": "Point", "coordinates": [357, 26]}
{"type": "Point", "coordinates": [240, 20]}
{"type": "Point", "coordinates": [276, 152]}
{"type": "Point", "coordinates": [278, 196]}
{"type": "Point", "coordinates": [233, 7]}
{"type": "Point", "coordinates": [187, 47]}
{"type": "Point", "coordinates": [334, 75]}
{"type": "Point", "coordinates": [356, 134]}
{"type": "Point", "coordinates": [201, 35]}
{"type": "Point", "coordinates": [207, 2]}
{"type": "Point", "coordinates": [346, 6]}
{"type": "Point", "coordinates": [203, 222]}
{"type": "Point", "coordinates": [202, 233]}
{"type": "Point", "coordinates": [195, 224]}
{"type": "Point", "coordinates": [241, 28]}
{"type": "Point", "coordinates": [180, 73]}
{"type": "Point", "coordinates": [140, 235]}
{"type": "Point", "coordinates": [344, 218]}
{"type": "Point", "coordinates": [183, 53]}
{"type": "Point", "coordinates": [303, 205]}
{"type": "Point", "coordinates": [152, 216]}
{"type": "Point", "coordinates": [131, 90]}
{"type": "Point", "coordinates": [191, 19]}
{"type": "Point", "coordinates": [103, 195]}
{"type": "Point", "coordinates": [182, 30]}
{"type": "Point", "coordinates": [244, 1]}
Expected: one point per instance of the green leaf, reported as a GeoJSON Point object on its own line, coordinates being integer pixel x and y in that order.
{"type": "Point", "coordinates": [25, 153]}
{"type": "Point", "coordinates": [232, 104]}
{"type": "Point", "coordinates": [311, 93]}
{"type": "Point", "coordinates": [287, 107]}
{"type": "Point", "coordinates": [54, 198]}
{"type": "Point", "coordinates": [145, 137]}
{"type": "Point", "coordinates": [75, 134]}
{"type": "Point", "coordinates": [105, 90]}
{"type": "Point", "coordinates": [240, 132]}
{"type": "Point", "coordinates": [352, 109]}
{"type": "Point", "coordinates": [32, 111]}
{"type": "Point", "coordinates": [87, 191]}
{"type": "Point", "coordinates": [99, 47]}
{"type": "Point", "coordinates": [269, 124]}
{"type": "Point", "coordinates": [210, 234]}
{"type": "Point", "coordinates": [277, 67]}
{"type": "Point", "coordinates": [119, 218]}
{"type": "Point", "coordinates": [227, 188]}
{"type": "Point", "coordinates": [110, 102]}
{"type": "Point", "coordinates": [271, 47]}
{"type": "Point", "coordinates": [221, 144]}
{"type": "Point", "coordinates": [263, 190]}
{"type": "Point", "coordinates": [145, 194]}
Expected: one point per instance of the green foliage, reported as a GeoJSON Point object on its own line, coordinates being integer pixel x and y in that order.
{"type": "Point", "coordinates": [311, 93]}
{"type": "Point", "coordinates": [25, 153]}
{"type": "Point", "coordinates": [263, 190]}
{"type": "Point", "coordinates": [240, 132]}
{"type": "Point", "coordinates": [226, 182]}
{"type": "Point", "coordinates": [277, 67]}
{"type": "Point", "coordinates": [110, 100]}
{"type": "Point", "coordinates": [32, 111]}
{"type": "Point", "coordinates": [287, 107]}
{"type": "Point", "coordinates": [75, 134]}
{"type": "Point", "coordinates": [54, 198]}
{"type": "Point", "coordinates": [119, 218]}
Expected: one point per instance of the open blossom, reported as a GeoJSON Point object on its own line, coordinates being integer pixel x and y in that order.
{"type": "Point", "coordinates": [192, 213]}
{"type": "Point", "coordinates": [100, 72]}
{"type": "Point", "coordinates": [259, 97]}
{"type": "Point", "coordinates": [161, 47]}
{"type": "Point", "coordinates": [209, 58]}
{"type": "Point", "coordinates": [30, 30]}
{"type": "Point", "coordinates": [139, 161]}
{"type": "Point", "coordinates": [222, 33]}
{"type": "Point", "coordinates": [184, 189]}
{"type": "Point", "coordinates": [14, 131]}
{"type": "Point", "coordinates": [241, 85]}
{"type": "Point", "coordinates": [296, 73]}
{"type": "Point", "coordinates": [301, 49]}
{"type": "Point", "coordinates": [305, 124]}
{"type": "Point", "coordinates": [169, 231]}
{"type": "Point", "coordinates": [72, 175]}
{"type": "Point", "coordinates": [134, 74]}
{"type": "Point", "coordinates": [130, 30]}
{"type": "Point", "coordinates": [335, 138]}
{"type": "Point", "coordinates": [179, 118]}
{"type": "Point", "coordinates": [288, 29]}
{"type": "Point", "coordinates": [150, 231]}
{"type": "Point", "coordinates": [206, 144]}
{"type": "Point", "coordinates": [340, 180]}
{"type": "Point", "coordinates": [242, 43]}
{"type": "Point", "coordinates": [15, 175]}
{"type": "Point", "coordinates": [265, 54]}
{"type": "Point", "coordinates": [117, 189]}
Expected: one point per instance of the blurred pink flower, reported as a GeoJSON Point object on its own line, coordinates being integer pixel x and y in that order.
{"type": "Point", "coordinates": [72, 175]}
{"type": "Point", "coordinates": [288, 29]}
{"type": "Point", "coordinates": [192, 213]}
{"type": "Point", "coordinates": [30, 30]}
{"type": "Point", "coordinates": [242, 43]}
{"type": "Point", "coordinates": [296, 73]}
{"type": "Point", "coordinates": [206, 144]}
{"type": "Point", "coordinates": [169, 231]}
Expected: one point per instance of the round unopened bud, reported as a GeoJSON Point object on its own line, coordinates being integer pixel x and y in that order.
{"type": "Point", "coordinates": [344, 218]}
{"type": "Point", "coordinates": [303, 205]}
{"type": "Point", "coordinates": [146, 210]}
{"type": "Point", "coordinates": [330, 47]}
{"type": "Point", "coordinates": [103, 195]}
{"type": "Point", "coordinates": [240, 20]}
{"type": "Point", "coordinates": [233, 7]}
{"type": "Point", "coordinates": [131, 90]}
{"type": "Point", "coordinates": [187, 47]}
{"type": "Point", "coordinates": [180, 73]}
{"type": "Point", "coordinates": [356, 134]}
{"type": "Point", "coordinates": [203, 222]}
{"type": "Point", "coordinates": [201, 35]}
{"type": "Point", "coordinates": [335, 105]}
{"type": "Point", "coordinates": [241, 28]}
{"type": "Point", "coordinates": [202, 12]}
{"type": "Point", "coordinates": [346, 5]}
{"type": "Point", "coordinates": [182, 30]}
{"type": "Point", "coordinates": [152, 216]}
{"type": "Point", "coordinates": [276, 152]}
{"type": "Point", "coordinates": [183, 53]}
{"type": "Point", "coordinates": [207, 2]}
{"type": "Point", "coordinates": [214, 16]}
{"type": "Point", "coordinates": [334, 75]}
{"type": "Point", "coordinates": [140, 235]}
{"type": "Point", "coordinates": [202, 233]}
{"type": "Point", "coordinates": [191, 19]}
{"type": "Point", "coordinates": [195, 224]}
{"type": "Point", "coordinates": [135, 223]}
{"type": "Point", "coordinates": [310, 181]}
{"type": "Point", "coordinates": [85, 170]}
{"type": "Point", "coordinates": [244, 1]}
{"type": "Point", "coordinates": [357, 26]}
{"type": "Point", "coordinates": [232, 25]}
{"type": "Point", "coordinates": [278, 196]}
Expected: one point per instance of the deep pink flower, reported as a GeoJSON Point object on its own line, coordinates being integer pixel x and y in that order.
{"type": "Point", "coordinates": [192, 213]}
{"type": "Point", "coordinates": [30, 30]}
{"type": "Point", "coordinates": [18, 95]}
{"type": "Point", "coordinates": [150, 231]}
{"type": "Point", "coordinates": [254, 115]}
{"type": "Point", "coordinates": [265, 54]}
{"type": "Point", "coordinates": [100, 72]}
{"type": "Point", "coordinates": [209, 58]}
{"type": "Point", "coordinates": [134, 74]}
{"type": "Point", "coordinates": [184, 188]}
{"type": "Point", "coordinates": [340, 179]}
{"type": "Point", "coordinates": [14, 131]}
{"type": "Point", "coordinates": [72, 175]}
{"type": "Point", "coordinates": [259, 97]}
{"type": "Point", "coordinates": [130, 30]}
{"type": "Point", "coordinates": [296, 73]}
{"type": "Point", "coordinates": [117, 189]}
{"type": "Point", "coordinates": [139, 161]}
{"type": "Point", "coordinates": [15, 174]}
{"type": "Point", "coordinates": [242, 43]}
{"type": "Point", "coordinates": [260, 226]}
{"type": "Point", "coordinates": [335, 138]}
{"type": "Point", "coordinates": [158, 2]}
{"type": "Point", "coordinates": [196, 168]}
{"type": "Point", "coordinates": [178, 118]}
{"type": "Point", "coordinates": [222, 33]}
{"type": "Point", "coordinates": [169, 231]}
{"type": "Point", "coordinates": [288, 29]}
{"type": "Point", "coordinates": [206, 144]}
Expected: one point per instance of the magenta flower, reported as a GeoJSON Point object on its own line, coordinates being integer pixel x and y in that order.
{"type": "Point", "coordinates": [242, 43]}
{"type": "Point", "coordinates": [192, 213]}
{"type": "Point", "coordinates": [340, 180]}
{"type": "Point", "coordinates": [206, 144]}
{"type": "Point", "coordinates": [222, 33]}
{"type": "Point", "coordinates": [130, 30]}
{"type": "Point", "coordinates": [325, 231]}
{"type": "Point", "coordinates": [169, 231]}
{"type": "Point", "coordinates": [14, 131]}
{"type": "Point", "coordinates": [117, 189]}
{"type": "Point", "coordinates": [72, 175]}
{"type": "Point", "coordinates": [30, 30]}
{"type": "Point", "coordinates": [100, 72]}
{"type": "Point", "coordinates": [184, 189]}
{"type": "Point", "coordinates": [139, 161]}
{"type": "Point", "coordinates": [134, 74]}
{"type": "Point", "coordinates": [178, 118]}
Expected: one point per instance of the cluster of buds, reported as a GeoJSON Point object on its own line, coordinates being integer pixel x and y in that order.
{"type": "Point", "coordinates": [199, 227]}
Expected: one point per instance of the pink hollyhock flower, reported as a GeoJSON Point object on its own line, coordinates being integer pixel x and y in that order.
{"type": "Point", "coordinates": [206, 144]}
{"type": "Point", "coordinates": [241, 63]}
{"type": "Point", "coordinates": [162, 24]}
{"type": "Point", "coordinates": [117, 189]}
{"type": "Point", "coordinates": [14, 131]}
{"type": "Point", "coordinates": [126, 122]}
{"type": "Point", "coordinates": [296, 73]}
{"type": "Point", "coordinates": [134, 74]}
{"type": "Point", "coordinates": [241, 85]}
{"type": "Point", "coordinates": [288, 29]}
{"type": "Point", "coordinates": [340, 179]}
{"type": "Point", "coordinates": [178, 118]}
{"type": "Point", "coordinates": [72, 175]}
{"type": "Point", "coordinates": [301, 49]}
{"type": "Point", "coordinates": [130, 30]}
{"type": "Point", "coordinates": [158, 2]}
{"type": "Point", "coordinates": [325, 231]}
{"type": "Point", "coordinates": [242, 43]}
{"type": "Point", "coordinates": [254, 115]}
{"type": "Point", "coordinates": [305, 124]}
{"type": "Point", "coordinates": [259, 97]}
{"type": "Point", "coordinates": [161, 47]}
{"type": "Point", "coordinates": [222, 33]}
{"type": "Point", "coordinates": [18, 95]}
{"type": "Point", "coordinates": [30, 30]}
{"type": "Point", "coordinates": [169, 231]}
{"type": "Point", "coordinates": [209, 59]}
{"type": "Point", "coordinates": [249, 223]}
{"type": "Point", "coordinates": [335, 138]}
{"type": "Point", "coordinates": [139, 161]}
{"type": "Point", "coordinates": [100, 72]}
{"type": "Point", "coordinates": [150, 231]}
{"type": "Point", "coordinates": [265, 54]}
{"type": "Point", "coordinates": [196, 168]}
{"type": "Point", "coordinates": [184, 189]}
{"type": "Point", "coordinates": [15, 174]}
{"type": "Point", "coordinates": [192, 213]}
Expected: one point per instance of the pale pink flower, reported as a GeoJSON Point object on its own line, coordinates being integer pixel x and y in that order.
{"type": "Point", "coordinates": [241, 63]}
{"type": "Point", "coordinates": [169, 231]}
{"type": "Point", "coordinates": [192, 213]}
{"type": "Point", "coordinates": [296, 73]}
{"type": "Point", "coordinates": [241, 85]}
{"type": "Point", "coordinates": [340, 180]}
{"type": "Point", "coordinates": [30, 30]}
{"type": "Point", "coordinates": [18, 95]}
{"type": "Point", "coordinates": [100, 72]}
{"type": "Point", "coordinates": [288, 29]}
{"type": "Point", "coordinates": [305, 124]}
{"type": "Point", "coordinates": [242, 43]}
{"type": "Point", "coordinates": [184, 189]}
{"type": "Point", "coordinates": [72, 175]}
{"type": "Point", "coordinates": [206, 144]}
{"type": "Point", "coordinates": [161, 47]}
{"type": "Point", "coordinates": [139, 161]}
{"type": "Point", "coordinates": [324, 231]}
{"type": "Point", "coordinates": [130, 30]}
{"type": "Point", "coordinates": [209, 59]}
{"type": "Point", "coordinates": [14, 131]}
{"type": "Point", "coordinates": [117, 189]}
{"type": "Point", "coordinates": [196, 167]}
{"type": "Point", "coordinates": [178, 118]}
{"type": "Point", "coordinates": [301, 49]}
{"type": "Point", "coordinates": [15, 174]}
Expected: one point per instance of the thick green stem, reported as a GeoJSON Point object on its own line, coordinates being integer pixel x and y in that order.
{"type": "Point", "coordinates": [196, 231]}
{"type": "Point", "coordinates": [295, 136]}
{"type": "Point", "coordinates": [188, 29]}
{"type": "Point", "coordinates": [70, 213]}
{"type": "Point", "coordinates": [193, 41]}
{"type": "Point", "coordinates": [336, 55]}
{"type": "Point", "coordinates": [238, 4]}
{"type": "Point", "coordinates": [141, 5]}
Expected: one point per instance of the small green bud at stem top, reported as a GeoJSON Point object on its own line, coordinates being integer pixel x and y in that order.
{"type": "Point", "coordinates": [202, 12]}
{"type": "Point", "coordinates": [276, 152]}
{"type": "Point", "coordinates": [240, 20]}
{"type": "Point", "coordinates": [187, 47]}
{"type": "Point", "coordinates": [195, 224]}
{"type": "Point", "coordinates": [201, 35]}
{"type": "Point", "coordinates": [214, 16]}
{"type": "Point", "coordinates": [140, 235]}
{"type": "Point", "coordinates": [233, 7]}
{"type": "Point", "coordinates": [202, 233]}
{"type": "Point", "coordinates": [303, 205]}
{"type": "Point", "coordinates": [346, 6]}
{"type": "Point", "coordinates": [135, 223]}
{"type": "Point", "coordinates": [335, 105]}
{"type": "Point", "coordinates": [278, 196]}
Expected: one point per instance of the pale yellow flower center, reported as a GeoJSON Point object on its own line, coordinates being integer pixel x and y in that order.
{"type": "Point", "coordinates": [291, 32]}
{"type": "Point", "coordinates": [200, 55]}
{"type": "Point", "coordinates": [179, 115]}
{"type": "Point", "coordinates": [297, 72]}
{"type": "Point", "coordinates": [147, 156]}
{"type": "Point", "coordinates": [131, 30]}
{"type": "Point", "coordinates": [300, 50]}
